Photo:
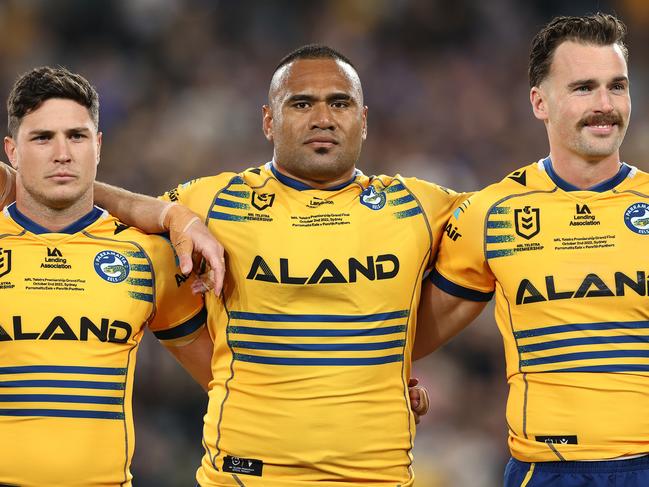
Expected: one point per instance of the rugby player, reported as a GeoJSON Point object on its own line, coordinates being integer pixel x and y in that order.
{"type": "Point", "coordinates": [77, 288]}
{"type": "Point", "coordinates": [561, 245]}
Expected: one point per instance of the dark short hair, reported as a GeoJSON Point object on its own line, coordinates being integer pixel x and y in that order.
{"type": "Point", "coordinates": [599, 29]}
{"type": "Point", "coordinates": [313, 51]}
{"type": "Point", "coordinates": [40, 84]}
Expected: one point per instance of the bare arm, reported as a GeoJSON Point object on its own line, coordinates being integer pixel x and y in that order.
{"type": "Point", "coordinates": [441, 316]}
{"type": "Point", "coordinates": [196, 358]}
{"type": "Point", "coordinates": [7, 185]}
{"type": "Point", "coordinates": [187, 233]}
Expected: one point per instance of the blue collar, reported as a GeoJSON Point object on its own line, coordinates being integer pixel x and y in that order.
{"type": "Point", "coordinates": [35, 228]}
{"type": "Point", "coordinates": [300, 186]}
{"type": "Point", "coordinates": [599, 187]}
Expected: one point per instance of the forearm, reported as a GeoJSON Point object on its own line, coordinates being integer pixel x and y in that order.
{"type": "Point", "coordinates": [196, 358]}
{"type": "Point", "coordinates": [137, 210]}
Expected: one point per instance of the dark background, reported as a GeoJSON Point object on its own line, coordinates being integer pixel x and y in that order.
{"type": "Point", "coordinates": [181, 86]}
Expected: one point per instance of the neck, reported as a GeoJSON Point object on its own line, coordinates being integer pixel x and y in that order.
{"type": "Point", "coordinates": [315, 183]}
{"type": "Point", "coordinates": [584, 173]}
{"type": "Point", "coordinates": [54, 219]}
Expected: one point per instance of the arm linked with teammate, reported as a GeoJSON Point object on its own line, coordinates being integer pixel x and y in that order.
{"type": "Point", "coordinates": [441, 316]}
{"type": "Point", "coordinates": [196, 358]}
{"type": "Point", "coordinates": [190, 238]}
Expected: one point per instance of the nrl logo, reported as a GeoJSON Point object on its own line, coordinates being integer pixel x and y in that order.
{"type": "Point", "coordinates": [528, 222]}
{"type": "Point", "coordinates": [261, 201]}
{"type": "Point", "coordinates": [372, 199]}
{"type": "Point", "coordinates": [5, 262]}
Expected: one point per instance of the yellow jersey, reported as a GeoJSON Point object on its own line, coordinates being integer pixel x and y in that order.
{"type": "Point", "coordinates": [73, 307]}
{"type": "Point", "coordinates": [314, 328]}
{"type": "Point", "coordinates": [569, 271]}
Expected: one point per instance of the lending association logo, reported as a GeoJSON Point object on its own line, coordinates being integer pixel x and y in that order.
{"type": "Point", "coordinates": [111, 266]}
{"type": "Point", "coordinates": [373, 199]}
{"type": "Point", "coordinates": [636, 218]}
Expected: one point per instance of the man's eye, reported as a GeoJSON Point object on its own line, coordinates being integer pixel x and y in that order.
{"type": "Point", "coordinates": [583, 89]}
{"type": "Point", "coordinates": [77, 136]}
{"type": "Point", "coordinates": [301, 104]}
{"type": "Point", "coordinates": [340, 104]}
{"type": "Point", "coordinates": [41, 138]}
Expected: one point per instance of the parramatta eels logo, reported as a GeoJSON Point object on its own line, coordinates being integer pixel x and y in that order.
{"type": "Point", "coordinates": [373, 199]}
{"type": "Point", "coordinates": [636, 218]}
{"type": "Point", "coordinates": [111, 266]}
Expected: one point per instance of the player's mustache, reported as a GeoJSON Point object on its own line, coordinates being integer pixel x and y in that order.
{"type": "Point", "coordinates": [613, 118]}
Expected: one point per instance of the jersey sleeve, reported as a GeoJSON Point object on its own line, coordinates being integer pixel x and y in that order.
{"type": "Point", "coordinates": [199, 194]}
{"type": "Point", "coordinates": [461, 268]}
{"type": "Point", "coordinates": [180, 315]}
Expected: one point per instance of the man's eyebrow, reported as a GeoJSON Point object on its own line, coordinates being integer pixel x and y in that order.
{"type": "Point", "coordinates": [591, 81]}
{"type": "Point", "coordinates": [77, 130]}
{"type": "Point", "coordinates": [337, 96]}
{"type": "Point", "coordinates": [34, 132]}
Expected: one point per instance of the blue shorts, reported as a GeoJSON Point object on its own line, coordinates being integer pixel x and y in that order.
{"type": "Point", "coordinates": [615, 473]}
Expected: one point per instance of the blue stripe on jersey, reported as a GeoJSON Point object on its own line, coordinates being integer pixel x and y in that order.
{"type": "Point", "coordinates": [141, 267]}
{"type": "Point", "coordinates": [184, 329]}
{"type": "Point", "coordinates": [569, 342]}
{"type": "Point", "coordinates": [244, 315]}
{"type": "Point", "coordinates": [608, 368]}
{"type": "Point", "coordinates": [141, 296]}
{"type": "Point", "coordinates": [62, 413]}
{"type": "Point", "coordinates": [394, 188]}
{"type": "Point", "coordinates": [499, 224]}
{"type": "Point", "coordinates": [61, 398]}
{"type": "Point", "coordinates": [136, 254]}
{"type": "Point", "coordinates": [312, 347]}
{"type": "Point", "coordinates": [236, 194]}
{"type": "Point", "coordinates": [606, 325]}
{"type": "Point", "coordinates": [492, 239]}
{"type": "Point", "coordinates": [231, 204]}
{"type": "Point", "coordinates": [494, 254]}
{"type": "Point", "coordinates": [408, 213]}
{"type": "Point", "coordinates": [450, 287]}
{"type": "Point", "coordinates": [247, 330]}
{"type": "Point", "coordinates": [217, 215]}
{"type": "Point", "coordinates": [401, 201]}
{"type": "Point", "coordinates": [585, 356]}
{"type": "Point", "coordinates": [69, 369]}
{"type": "Point", "coordinates": [136, 281]}
{"type": "Point", "coordinates": [75, 384]}
{"type": "Point", "coordinates": [500, 210]}
{"type": "Point", "coordinates": [318, 361]}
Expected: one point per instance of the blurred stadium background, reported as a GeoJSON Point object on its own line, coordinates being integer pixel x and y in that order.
{"type": "Point", "coordinates": [181, 85]}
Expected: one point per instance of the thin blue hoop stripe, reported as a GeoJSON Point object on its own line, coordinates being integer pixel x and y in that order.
{"type": "Point", "coordinates": [318, 361]}
{"type": "Point", "coordinates": [569, 342]}
{"type": "Point", "coordinates": [62, 413]}
{"type": "Point", "coordinates": [566, 357]}
{"type": "Point", "coordinates": [244, 315]}
{"type": "Point", "coordinates": [61, 398]}
{"type": "Point", "coordinates": [606, 325]}
{"type": "Point", "coordinates": [73, 384]}
{"type": "Point", "coordinates": [314, 347]}
{"type": "Point", "coordinates": [249, 330]}
{"type": "Point", "coordinates": [65, 369]}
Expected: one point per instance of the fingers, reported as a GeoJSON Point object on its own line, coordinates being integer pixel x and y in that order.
{"type": "Point", "coordinates": [419, 401]}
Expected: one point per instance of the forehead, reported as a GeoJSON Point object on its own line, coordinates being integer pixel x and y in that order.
{"type": "Point", "coordinates": [57, 113]}
{"type": "Point", "coordinates": [315, 76]}
{"type": "Point", "coordinates": [576, 60]}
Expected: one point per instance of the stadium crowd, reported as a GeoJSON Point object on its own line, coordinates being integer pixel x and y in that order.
{"type": "Point", "coordinates": [181, 86]}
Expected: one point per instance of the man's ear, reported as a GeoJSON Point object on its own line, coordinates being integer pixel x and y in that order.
{"type": "Point", "coordinates": [539, 106]}
{"type": "Point", "coordinates": [10, 150]}
{"type": "Point", "coordinates": [267, 121]}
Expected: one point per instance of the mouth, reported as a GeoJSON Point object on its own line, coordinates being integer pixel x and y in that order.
{"type": "Point", "coordinates": [602, 125]}
{"type": "Point", "coordinates": [62, 177]}
{"type": "Point", "coordinates": [321, 142]}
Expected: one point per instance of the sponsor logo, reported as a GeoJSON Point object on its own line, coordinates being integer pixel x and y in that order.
{"type": "Point", "coordinates": [558, 439]}
{"type": "Point", "coordinates": [527, 222]}
{"type": "Point", "coordinates": [519, 176]}
{"type": "Point", "coordinates": [592, 286]}
{"type": "Point", "coordinates": [373, 269]}
{"type": "Point", "coordinates": [451, 232]}
{"type": "Point", "coordinates": [261, 201]}
{"type": "Point", "coordinates": [5, 262]}
{"type": "Point", "coordinates": [58, 328]}
{"type": "Point", "coordinates": [55, 260]}
{"type": "Point", "coordinates": [120, 227]}
{"type": "Point", "coordinates": [316, 202]}
{"type": "Point", "coordinates": [636, 218]}
{"type": "Point", "coordinates": [245, 466]}
{"type": "Point", "coordinates": [374, 200]}
{"type": "Point", "coordinates": [111, 266]}
{"type": "Point", "coordinates": [583, 216]}
{"type": "Point", "coordinates": [180, 278]}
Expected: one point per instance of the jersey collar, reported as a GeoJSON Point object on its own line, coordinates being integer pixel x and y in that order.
{"type": "Point", "coordinates": [35, 228]}
{"type": "Point", "coordinates": [621, 175]}
{"type": "Point", "coordinates": [300, 186]}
